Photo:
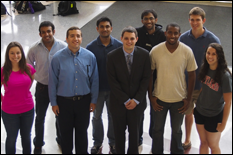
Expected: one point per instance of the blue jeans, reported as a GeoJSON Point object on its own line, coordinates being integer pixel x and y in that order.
{"type": "Point", "coordinates": [176, 119]}
{"type": "Point", "coordinates": [42, 103]}
{"type": "Point", "coordinates": [13, 124]}
{"type": "Point", "coordinates": [98, 129]}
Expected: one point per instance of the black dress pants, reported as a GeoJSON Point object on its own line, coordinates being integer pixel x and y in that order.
{"type": "Point", "coordinates": [129, 120]}
{"type": "Point", "coordinates": [74, 116]}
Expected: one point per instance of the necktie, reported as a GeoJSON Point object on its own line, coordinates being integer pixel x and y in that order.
{"type": "Point", "coordinates": [129, 63]}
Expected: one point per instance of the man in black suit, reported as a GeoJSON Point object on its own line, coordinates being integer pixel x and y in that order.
{"type": "Point", "coordinates": [128, 70]}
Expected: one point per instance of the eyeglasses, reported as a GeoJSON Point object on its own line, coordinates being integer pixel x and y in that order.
{"type": "Point", "coordinates": [146, 19]}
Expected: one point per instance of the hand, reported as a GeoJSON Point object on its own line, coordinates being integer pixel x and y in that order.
{"type": "Point", "coordinates": [185, 106]}
{"type": "Point", "coordinates": [155, 105]}
{"type": "Point", "coordinates": [131, 104]}
{"type": "Point", "coordinates": [220, 127]}
{"type": "Point", "coordinates": [92, 107]}
{"type": "Point", "coordinates": [55, 110]}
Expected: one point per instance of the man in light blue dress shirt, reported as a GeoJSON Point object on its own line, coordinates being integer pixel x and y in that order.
{"type": "Point", "coordinates": [73, 91]}
{"type": "Point", "coordinates": [39, 56]}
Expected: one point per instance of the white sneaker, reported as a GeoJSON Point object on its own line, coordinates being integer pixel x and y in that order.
{"type": "Point", "coordinates": [140, 149]}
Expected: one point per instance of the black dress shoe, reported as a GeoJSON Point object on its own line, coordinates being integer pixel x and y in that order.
{"type": "Point", "coordinates": [37, 150]}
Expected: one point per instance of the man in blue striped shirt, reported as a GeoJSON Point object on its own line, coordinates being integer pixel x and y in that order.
{"type": "Point", "coordinates": [39, 56]}
{"type": "Point", "coordinates": [73, 91]}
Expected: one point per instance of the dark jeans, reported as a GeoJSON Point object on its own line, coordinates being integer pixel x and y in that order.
{"type": "Point", "coordinates": [42, 103]}
{"type": "Point", "coordinates": [13, 124]}
{"type": "Point", "coordinates": [74, 116]}
{"type": "Point", "coordinates": [176, 120]}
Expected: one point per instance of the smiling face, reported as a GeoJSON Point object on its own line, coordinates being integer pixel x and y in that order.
{"type": "Point", "coordinates": [172, 35]}
{"type": "Point", "coordinates": [129, 40]}
{"type": "Point", "coordinates": [46, 34]}
{"type": "Point", "coordinates": [104, 29]}
{"type": "Point", "coordinates": [15, 55]}
{"type": "Point", "coordinates": [212, 58]}
{"type": "Point", "coordinates": [196, 22]}
{"type": "Point", "coordinates": [74, 39]}
{"type": "Point", "coordinates": [149, 21]}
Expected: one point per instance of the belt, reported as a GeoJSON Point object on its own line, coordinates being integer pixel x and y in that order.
{"type": "Point", "coordinates": [42, 84]}
{"type": "Point", "coordinates": [74, 98]}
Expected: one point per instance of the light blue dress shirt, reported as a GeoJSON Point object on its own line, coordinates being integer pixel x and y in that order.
{"type": "Point", "coordinates": [131, 59]}
{"type": "Point", "coordinates": [40, 57]}
{"type": "Point", "coordinates": [73, 75]}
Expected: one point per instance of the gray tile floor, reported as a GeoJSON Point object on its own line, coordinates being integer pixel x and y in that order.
{"type": "Point", "coordinates": [24, 28]}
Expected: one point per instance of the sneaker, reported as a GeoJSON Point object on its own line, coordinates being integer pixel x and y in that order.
{"type": "Point", "coordinates": [112, 149]}
{"type": "Point", "coordinates": [96, 149]}
{"type": "Point", "coordinates": [37, 150]}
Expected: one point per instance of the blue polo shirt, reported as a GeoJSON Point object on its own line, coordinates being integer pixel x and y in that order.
{"type": "Point", "coordinates": [100, 51]}
{"type": "Point", "coordinates": [198, 46]}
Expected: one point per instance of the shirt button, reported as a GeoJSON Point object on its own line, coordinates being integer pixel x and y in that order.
{"type": "Point", "coordinates": [76, 93]}
{"type": "Point", "coordinates": [76, 72]}
{"type": "Point", "coordinates": [75, 64]}
{"type": "Point", "coordinates": [76, 79]}
{"type": "Point", "coordinates": [76, 86]}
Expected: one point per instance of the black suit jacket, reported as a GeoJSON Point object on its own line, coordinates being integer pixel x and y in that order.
{"type": "Point", "coordinates": [126, 86]}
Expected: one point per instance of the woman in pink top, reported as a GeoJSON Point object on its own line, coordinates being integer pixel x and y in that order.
{"type": "Point", "coordinates": [17, 104]}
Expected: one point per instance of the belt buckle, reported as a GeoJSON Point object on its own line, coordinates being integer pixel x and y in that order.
{"type": "Point", "coordinates": [74, 98]}
{"type": "Point", "coordinates": [79, 98]}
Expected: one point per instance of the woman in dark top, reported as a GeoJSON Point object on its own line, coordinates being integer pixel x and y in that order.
{"type": "Point", "coordinates": [214, 102]}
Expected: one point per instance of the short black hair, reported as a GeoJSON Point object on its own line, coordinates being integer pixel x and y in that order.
{"type": "Point", "coordinates": [103, 19]}
{"type": "Point", "coordinates": [173, 25]}
{"type": "Point", "coordinates": [72, 28]}
{"type": "Point", "coordinates": [46, 24]}
{"type": "Point", "coordinates": [146, 12]}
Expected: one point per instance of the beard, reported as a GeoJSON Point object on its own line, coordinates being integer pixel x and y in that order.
{"type": "Point", "coordinates": [104, 35]}
{"type": "Point", "coordinates": [150, 28]}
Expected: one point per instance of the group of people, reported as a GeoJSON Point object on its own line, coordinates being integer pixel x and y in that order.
{"type": "Point", "coordinates": [184, 74]}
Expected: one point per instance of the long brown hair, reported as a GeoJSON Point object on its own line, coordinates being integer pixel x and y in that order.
{"type": "Point", "coordinates": [7, 68]}
{"type": "Point", "coordinates": [222, 64]}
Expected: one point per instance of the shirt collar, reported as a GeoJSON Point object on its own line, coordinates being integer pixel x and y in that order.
{"type": "Point", "coordinates": [203, 35]}
{"type": "Point", "coordinates": [71, 54]}
{"type": "Point", "coordinates": [128, 53]}
{"type": "Point", "coordinates": [100, 43]}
